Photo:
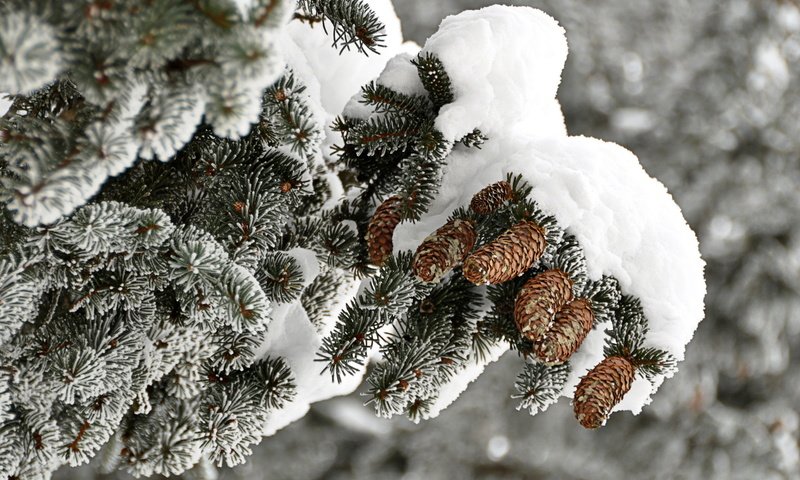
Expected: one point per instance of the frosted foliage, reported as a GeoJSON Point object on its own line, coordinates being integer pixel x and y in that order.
{"type": "Point", "coordinates": [109, 147]}
{"type": "Point", "coordinates": [29, 53]}
{"type": "Point", "coordinates": [168, 122]}
{"type": "Point", "coordinates": [168, 65]}
{"type": "Point", "coordinates": [231, 110]}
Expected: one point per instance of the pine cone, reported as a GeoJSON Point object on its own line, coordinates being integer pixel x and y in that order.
{"type": "Point", "coordinates": [601, 389]}
{"type": "Point", "coordinates": [490, 198]}
{"type": "Point", "coordinates": [443, 250]}
{"type": "Point", "coordinates": [568, 331]}
{"type": "Point", "coordinates": [381, 229]}
{"type": "Point", "coordinates": [538, 301]}
{"type": "Point", "coordinates": [507, 256]}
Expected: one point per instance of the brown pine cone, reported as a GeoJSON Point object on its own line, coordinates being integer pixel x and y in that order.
{"type": "Point", "coordinates": [507, 256]}
{"type": "Point", "coordinates": [381, 229]}
{"type": "Point", "coordinates": [601, 389]}
{"type": "Point", "coordinates": [567, 332]}
{"type": "Point", "coordinates": [443, 250]}
{"type": "Point", "coordinates": [490, 198]}
{"type": "Point", "coordinates": [538, 301]}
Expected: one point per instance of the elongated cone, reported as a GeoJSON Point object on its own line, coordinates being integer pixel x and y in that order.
{"type": "Point", "coordinates": [565, 335]}
{"type": "Point", "coordinates": [538, 301]}
{"type": "Point", "coordinates": [443, 249]}
{"type": "Point", "coordinates": [507, 256]}
{"type": "Point", "coordinates": [490, 198]}
{"type": "Point", "coordinates": [601, 389]}
{"type": "Point", "coordinates": [381, 230]}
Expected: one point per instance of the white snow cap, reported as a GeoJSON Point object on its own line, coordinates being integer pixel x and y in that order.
{"type": "Point", "coordinates": [626, 221]}
{"type": "Point", "coordinates": [341, 75]}
{"type": "Point", "coordinates": [505, 66]}
{"type": "Point", "coordinates": [5, 103]}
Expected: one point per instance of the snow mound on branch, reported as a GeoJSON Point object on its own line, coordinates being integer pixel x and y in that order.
{"type": "Point", "coordinates": [293, 337]}
{"type": "Point", "coordinates": [626, 221]}
{"type": "Point", "coordinates": [342, 75]}
{"type": "Point", "coordinates": [505, 66]}
{"type": "Point", "coordinates": [5, 104]}
{"type": "Point", "coordinates": [332, 77]}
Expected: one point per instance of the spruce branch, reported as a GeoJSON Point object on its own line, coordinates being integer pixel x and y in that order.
{"type": "Point", "coordinates": [345, 349]}
{"type": "Point", "coordinates": [474, 139]}
{"type": "Point", "coordinates": [281, 277]}
{"type": "Point", "coordinates": [352, 23]}
{"type": "Point", "coordinates": [385, 100]}
{"type": "Point", "coordinates": [539, 386]}
{"type": "Point", "coordinates": [626, 339]}
{"type": "Point", "coordinates": [435, 79]}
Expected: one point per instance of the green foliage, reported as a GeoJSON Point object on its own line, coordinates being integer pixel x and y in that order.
{"type": "Point", "coordinates": [539, 386]}
{"type": "Point", "coordinates": [627, 339]}
{"type": "Point", "coordinates": [99, 84]}
{"type": "Point", "coordinates": [570, 259]}
{"type": "Point", "coordinates": [352, 23]}
{"type": "Point", "coordinates": [604, 295]}
{"type": "Point", "coordinates": [281, 277]}
{"type": "Point", "coordinates": [397, 150]}
{"type": "Point", "coordinates": [435, 79]}
{"type": "Point", "coordinates": [360, 322]}
{"type": "Point", "coordinates": [121, 320]}
{"type": "Point", "coordinates": [429, 345]}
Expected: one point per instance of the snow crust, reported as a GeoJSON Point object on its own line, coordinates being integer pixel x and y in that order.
{"type": "Point", "coordinates": [5, 104]}
{"type": "Point", "coordinates": [505, 65]}
{"type": "Point", "coordinates": [626, 221]}
{"type": "Point", "coordinates": [341, 76]}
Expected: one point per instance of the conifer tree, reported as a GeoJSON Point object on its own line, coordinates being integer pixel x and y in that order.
{"type": "Point", "coordinates": [177, 243]}
{"type": "Point", "coordinates": [135, 294]}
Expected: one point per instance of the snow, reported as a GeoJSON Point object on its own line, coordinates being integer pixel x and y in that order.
{"type": "Point", "coordinates": [350, 414]}
{"type": "Point", "coordinates": [626, 221]}
{"type": "Point", "coordinates": [341, 76]}
{"type": "Point", "coordinates": [505, 64]}
{"type": "Point", "coordinates": [452, 389]}
{"type": "Point", "coordinates": [5, 104]}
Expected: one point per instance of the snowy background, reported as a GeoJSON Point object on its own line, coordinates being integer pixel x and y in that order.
{"type": "Point", "coordinates": [707, 94]}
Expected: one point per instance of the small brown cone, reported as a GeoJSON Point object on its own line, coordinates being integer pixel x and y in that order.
{"type": "Point", "coordinates": [538, 301]}
{"type": "Point", "coordinates": [381, 229]}
{"type": "Point", "coordinates": [507, 256]}
{"type": "Point", "coordinates": [443, 249]}
{"type": "Point", "coordinates": [567, 332]}
{"type": "Point", "coordinates": [490, 198]}
{"type": "Point", "coordinates": [601, 389]}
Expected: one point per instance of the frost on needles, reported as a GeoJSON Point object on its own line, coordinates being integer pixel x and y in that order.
{"type": "Point", "coordinates": [181, 256]}
{"type": "Point", "coordinates": [136, 296]}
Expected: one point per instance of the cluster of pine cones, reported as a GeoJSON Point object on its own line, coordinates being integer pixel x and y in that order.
{"type": "Point", "coordinates": [545, 311]}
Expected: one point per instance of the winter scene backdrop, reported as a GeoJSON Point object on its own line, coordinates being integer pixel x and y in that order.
{"type": "Point", "coordinates": [706, 93]}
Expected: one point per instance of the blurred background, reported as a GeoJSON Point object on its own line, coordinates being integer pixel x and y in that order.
{"type": "Point", "coordinates": [707, 94]}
